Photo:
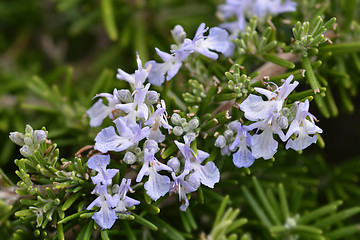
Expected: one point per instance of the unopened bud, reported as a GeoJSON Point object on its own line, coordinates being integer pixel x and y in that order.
{"type": "Point", "coordinates": [285, 111]}
{"type": "Point", "coordinates": [178, 34]}
{"type": "Point", "coordinates": [178, 131]}
{"type": "Point", "coordinates": [185, 126]}
{"type": "Point", "coordinates": [124, 96]}
{"type": "Point", "coordinates": [29, 129]}
{"type": "Point", "coordinates": [129, 158]}
{"type": "Point", "coordinates": [17, 138]}
{"type": "Point", "coordinates": [282, 122]}
{"type": "Point", "coordinates": [28, 140]}
{"type": "Point", "coordinates": [151, 97]}
{"type": "Point", "coordinates": [191, 136]}
{"type": "Point", "coordinates": [174, 163]}
{"type": "Point", "coordinates": [220, 141]}
{"type": "Point", "coordinates": [175, 119]}
{"type": "Point", "coordinates": [26, 151]}
{"type": "Point", "coordinates": [228, 134]}
{"type": "Point", "coordinates": [39, 136]}
{"type": "Point", "coordinates": [225, 151]}
{"type": "Point", "coordinates": [193, 123]}
{"type": "Point", "coordinates": [151, 144]}
{"type": "Point", "coordinates": [233, 126]}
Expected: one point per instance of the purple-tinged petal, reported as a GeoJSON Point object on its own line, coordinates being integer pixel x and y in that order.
{"type": "Point", "coordinates": [243, 157]}
{"type": "Point", "coordinates": [97, 113]}
{"type": "Point", "coordinates": [264, 145]}
{"type": "Point", "coordinates": [208, 174]}
{"type": "Point", "coordinates": [105, 218]}
{"type": "Point", "coordinates": [302, 141]}
{"type": "Point", "coordinates": [157, 185]}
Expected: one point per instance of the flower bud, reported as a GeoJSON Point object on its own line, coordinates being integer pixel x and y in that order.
{"type": "Point", "coordinates": [39, 136]}
{"type": "Point", "coordinates": [178, 34]}
{"type": "Point", "coordinates": [29, 129]}
{"type": "Point", "coordinates": [228, 134]}
{"type": "Point", "coordinates": [185, 127]}
{"type": "Point", "coordinates": [191, 136]}
{"type": "Point", "coordinates": [282, 121]}
{"type": "Point", "coordinates": [233, 126]}
{"type": "Point", "coordinates": [193, 123]}
{"type": "Point", "coordinates": [115, 188]}
{"type": "Point", "coordinates": [137, 151]}
{"type": "Point", "coordinates": [174, 163]}
{"type": "Point", "coordinates": [129, 158]}
{"type": "Point", "coordinates": [220, 141]}
{"type": "Point", "coordinates": [182, 121]}
{"type": "Point", "coordinates": [26, 151]}
{"type": "Point", "coordinates": [225, 151]}
{"type": "Point", "coordinates": [285, 111]}
{"type": "Point", "coordinates": [28, 140]}
{"type": "Point", "coordinates": [124, 96]}
{"type": "Point", "coordinates": [17, 138]}
{"type": "Point", "coordinates": [178, 131]}
{"type": "Point", "coordinates": [151, 144]}
{"type": "Point", "coordinates": [151, 97]}
{"type": "Point", "coordinates": [175, 119]}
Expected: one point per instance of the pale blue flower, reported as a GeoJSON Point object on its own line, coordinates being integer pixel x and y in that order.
{"type": "Point", "coordinates": [108, 140]}
{"type": "Point", "coordinates": [302, 127]}
{"type": "Point", "coordinates": [99, 164]}
{"type": "Point", "coordinates": [106, 216]}
{"type": "Point", "coordinates": [170, 66]}
{"type": "Point", "coordinates": [137, 109]}
{"type": "Point", "coordinates": [243, 157]}
{"type": "Point", "coordinates": [122, 202]}
{"type": "Point", "coordinates": [156, 120]}
{"type": "Point", "coordinates": [264, 145]}
{"type": "Point", "coordinates": [207, 174]}
{"type": "Point", "coordinates": [242, 9]}
{"type": "Point", "coordinates": [178, 34]}
{"type": "Point", "coordinates": [99, 111]}
{"type": "Point", "coordinates": [157, 185]}
{"type": "Point", "coordinates": [255, 108]}
{"type": "Point", "coordinates": [218, 40]}
{"type": "Point", "coordinates": [181, 187]}
{"type": "Point", "coordinates": [138, 78]}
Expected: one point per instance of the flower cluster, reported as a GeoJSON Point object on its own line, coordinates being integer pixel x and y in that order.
{"type": "Point", "coordinates": [218, 40]}
{"type": "Point", "coordinates": [137, 135]}
{"type": "Point", "coordinates": [243, 9]}
{"type": "Point", "coordinates": [30, 141]}
{"type": "Point", "coordinates": [269, 117]}
{"type": "Point", "coordinates": [111, 199]}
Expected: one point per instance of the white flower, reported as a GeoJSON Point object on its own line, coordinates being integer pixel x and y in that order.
{"type": "Point", "coordinates": [99, 111]}
{"type": "Point", "coordinates": [302, 127]}
{"type": "Point", "coordinates": [156, 120]}
{"type": "Point", "coordinates": [108, 140]}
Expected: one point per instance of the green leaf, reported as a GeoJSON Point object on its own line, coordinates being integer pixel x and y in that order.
{"type": "Point", "coordinates": [337, 217]}
{"type": "Point", "coordinates": [72, 217]}
{"type": "Point", "coordinates": [263, 199]}
{"type": "Point", "coordinates": [86, 231]}
{"type": "Point", "coordinates": [144, 222]}
{"type": "Point", "coordinates": [320, 212]}
{"type": "Point", "coordinates": [221, 210]}
{"type": "Point", "coordinates": [109, 19]}
{"type": "Point", "coordinates": [104, 235]}
{"type": "Point", "coordinates": [167, 229]}
{"type": "Point", "coordinates": [278, 61]}
{"type": "Point", "coordinates": [70, 201]}
{"type": "Point", "coordinates": [256, 207]}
